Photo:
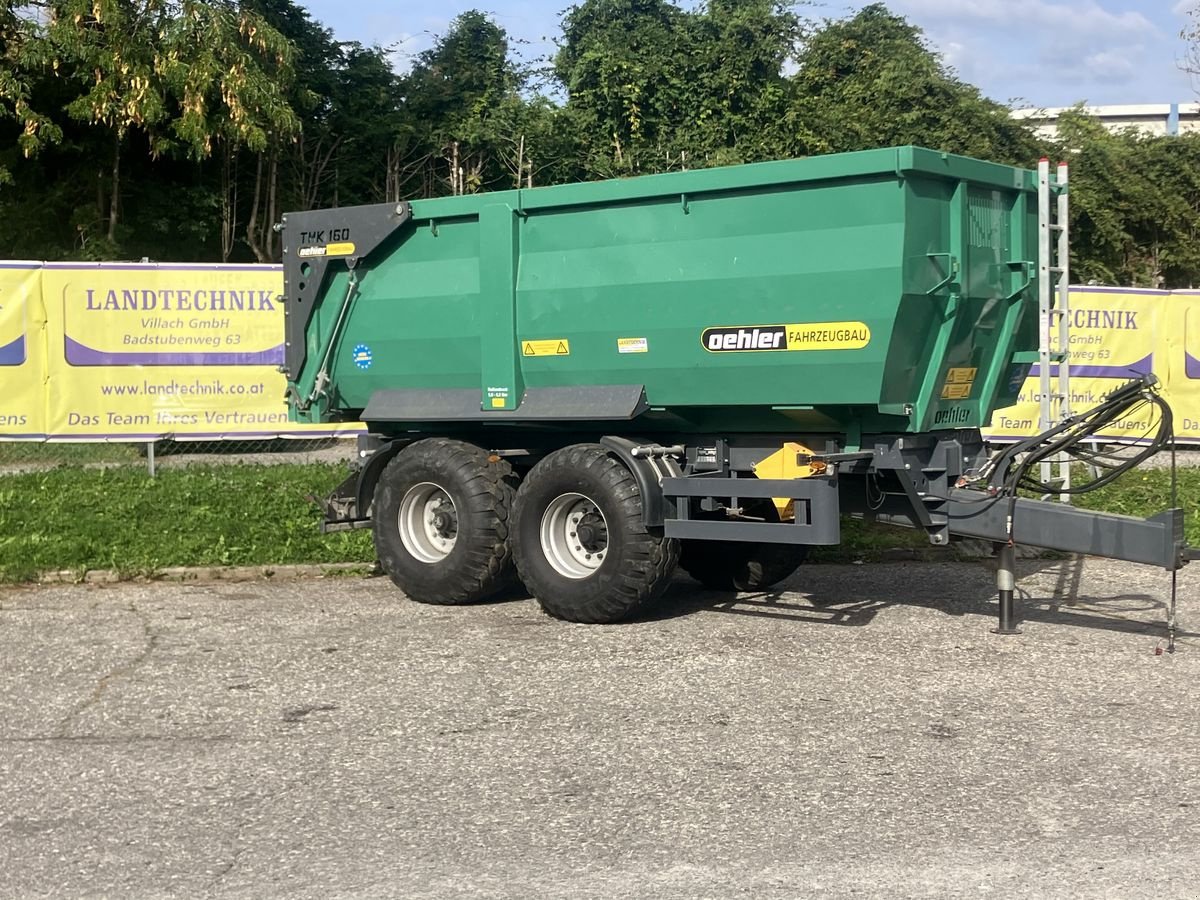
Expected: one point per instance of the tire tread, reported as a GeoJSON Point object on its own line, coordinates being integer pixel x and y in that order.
{"type": "Point", "coordinates": [486, 568]}
{"type": "Point", "coordinates": [649, 561]}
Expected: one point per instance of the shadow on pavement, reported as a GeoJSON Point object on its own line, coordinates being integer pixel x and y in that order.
{"type": "Point", "coordinates": [955, 589]}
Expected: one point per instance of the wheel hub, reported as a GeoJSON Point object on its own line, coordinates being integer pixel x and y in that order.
{"type": "Point", "coordinates": [428, 522]}
{"type": "Point", "coordinates": [574, 536]}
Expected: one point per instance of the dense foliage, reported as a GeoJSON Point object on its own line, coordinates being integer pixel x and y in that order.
{"type": "Point", "coordinates": [182, 129]}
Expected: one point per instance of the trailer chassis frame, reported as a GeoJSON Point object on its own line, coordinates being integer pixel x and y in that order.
{"type": "Point", "coordinates": [901, 480]}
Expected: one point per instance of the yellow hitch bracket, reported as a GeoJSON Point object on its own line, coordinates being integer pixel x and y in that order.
{"type": "Point", "coordinates": [783, 464]}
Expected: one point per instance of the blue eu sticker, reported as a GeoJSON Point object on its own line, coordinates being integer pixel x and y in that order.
{"type": "Point", "coordinates": [362, 356]}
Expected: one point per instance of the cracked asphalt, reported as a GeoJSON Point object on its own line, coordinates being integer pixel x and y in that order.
{"type": "Point", "coordinates": [861, 734]}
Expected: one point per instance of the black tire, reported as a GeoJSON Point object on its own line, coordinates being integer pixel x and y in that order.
{"type": "Point", "coordinates": [636, 566]}
{"type": "Point", "coordinates": [481, 488]}
{"type": "Point", "coordinates": [741, 566]}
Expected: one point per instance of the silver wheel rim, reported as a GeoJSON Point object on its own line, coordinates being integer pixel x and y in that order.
{"type": "Point", "coordinates": [428, 522]}
{"type": "Point", "coordinates": [574, 536]}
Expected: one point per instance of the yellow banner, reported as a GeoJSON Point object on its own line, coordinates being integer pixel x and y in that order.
{"type": "Point", "coordinates": [182, 351]}
{"type": "Point", "coordinates": [1181, 341]}
{"type": "Point", "coordinates": [1117, 334]}
{"type": "Point", "coordinates": [22, 352]}
{"type": "Point", "coordinates": [138, 352]}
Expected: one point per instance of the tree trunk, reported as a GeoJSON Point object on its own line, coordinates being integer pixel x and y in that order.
{"type": "Point", "coordinates": [391, 184]}
{"type": "Point", "coordinates": [228, 199]}
{"type": "Point", "coordinates": [114, 198]}
{"type": "Point", "coordinates": [269, 224]}
{"type": "Point", "coordinates": [475, 169]}
{"type": "Point", "coordinates": [455, 170]}
{"type": "Point", "coordinates": [252, 222]}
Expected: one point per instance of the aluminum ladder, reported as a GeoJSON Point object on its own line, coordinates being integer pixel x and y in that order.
{"type": "Point", "coordinates": [1054, 314]}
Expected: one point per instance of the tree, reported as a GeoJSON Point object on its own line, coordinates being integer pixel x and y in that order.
{"type": "Point", "coordinates": [211, 117]}
{"type": "Point", "coordinates": [1191, 35]}
{"type": "Point", "coordinates": [229, 72]}
{"type": "Point", "coordinates": [22, 52]}
{"type": "Point", "coordinates": [653, 87]}
{"type": "Point", "coordinates": [871, 81]}
{"type": "Point", "coordinates": [452, 98]}
{"type": "Point", "coordinates": [177, 72]}
{"type": "Point", "coordinates": [110, 48]}
{"type": "Point", "coordinates": [736, 94]}
{"type": "Point", "coordinates": [1135, 204]}
{"type": "Point", "coordinates": [261, 111]}
{"type": "Point", "coordinates": [364, 117]}
{"type": "Point", "coordinates": [622, 63]}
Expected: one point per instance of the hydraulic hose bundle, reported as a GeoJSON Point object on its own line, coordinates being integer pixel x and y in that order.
{"type": "Point", "coordinates": [1013, 469]}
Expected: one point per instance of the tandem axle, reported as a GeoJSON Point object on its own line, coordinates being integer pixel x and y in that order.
{"type": "Point", "coordinates": [736, 513]}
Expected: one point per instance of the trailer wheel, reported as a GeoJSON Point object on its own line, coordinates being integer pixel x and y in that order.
{"type": "Point", "coordinates": [441, 522]}
{"type": "Point", "coordinates": [581, 545]}
{"type": "Point", "coordinates": [741, 566]}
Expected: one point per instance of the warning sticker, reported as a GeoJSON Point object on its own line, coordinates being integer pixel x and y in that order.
{"type": "Point", "coordinates": [552, 347]}
{"type": "Point", "coordinates": [956, 391]}
{"type": "Point", "coordinates": [802, 336]}
{"type": "Point", "coordinates": [959, 382]}
{"type": "Point", "coordinates": [633, 345]}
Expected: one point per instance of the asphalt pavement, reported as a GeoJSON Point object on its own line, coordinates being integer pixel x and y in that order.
{"type": "Point", "coordinates": [861, 734]}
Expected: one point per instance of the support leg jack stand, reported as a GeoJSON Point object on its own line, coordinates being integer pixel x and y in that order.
{"type": "Point", "coordinates": [1006, 584]}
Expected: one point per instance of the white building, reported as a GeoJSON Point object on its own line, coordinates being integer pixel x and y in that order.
{"type": "Point", "coordinates": [1151, 118]}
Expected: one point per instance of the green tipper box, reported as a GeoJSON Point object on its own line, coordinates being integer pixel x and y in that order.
{"type": "Point", "coordinates": [886, 290]}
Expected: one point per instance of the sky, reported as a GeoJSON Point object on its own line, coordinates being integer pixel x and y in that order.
{"type": "Point", "coordinates": [1041, 53]}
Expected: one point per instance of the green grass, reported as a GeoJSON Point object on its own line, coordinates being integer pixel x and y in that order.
{"type": "Point", "coordinates": [31, 453]}
{"type": "Point", "coordinates": [1145, 493]}
{"type": "Point", "coordinates": [80, 519]}
{"type": "Point", "coordinates": [872, 543]}
{"type": "Point", "coordinates": [119, 518]}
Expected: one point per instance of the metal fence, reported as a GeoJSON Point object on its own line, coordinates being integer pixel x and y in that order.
{"type": "Point", "coordinates": [28, 456]}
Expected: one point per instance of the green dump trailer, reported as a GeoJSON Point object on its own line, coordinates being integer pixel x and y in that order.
{"type": "Point", "coordinates": [588, 385]}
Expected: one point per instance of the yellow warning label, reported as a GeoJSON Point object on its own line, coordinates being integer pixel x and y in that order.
{"type": "Point", "coordinates": [961, 376]}
{"type": "Point", "coordinates": [497, 403]}
{"type": "Point", "coordinates": [956, 392]}
{"type": "Point", "coordinates": [553, 347]}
